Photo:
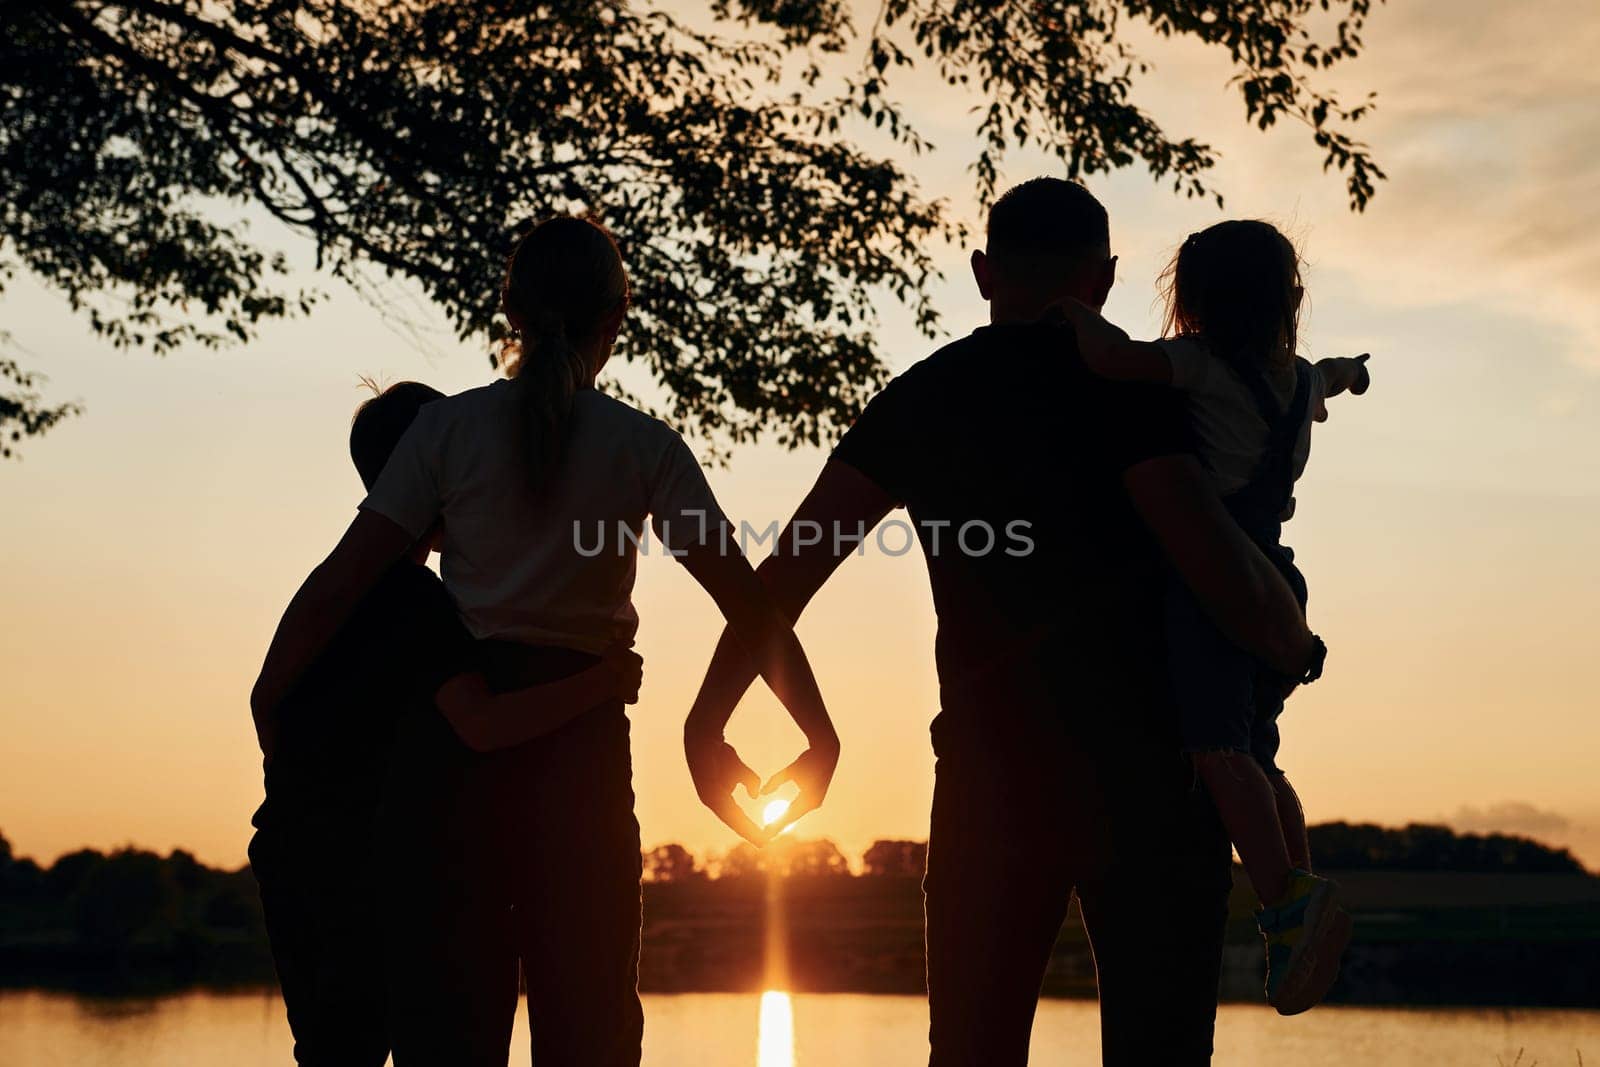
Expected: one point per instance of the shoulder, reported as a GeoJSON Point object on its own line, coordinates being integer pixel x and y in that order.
{"type": "Point", "coordinates": [1316, 389]}
{"type": "Point", "coordinates": [1184, 347]}
{"type": "Point", "coordinates": [1313, 374]}
{"type": "Point", "coordinates": [606, 406]}
{"type": "Point", "coordinates": [622, 422]}
{"type": "Point", "coordinates": [468, 399]}
{"type": "Point", "coordinates": [465, 409]}
{"type": "Point", "coordinates": [635, 440]}
{"type": "Point", "coordinates": [615, 413]}
{"type": "Point", "coordinates": [951, 357]}
{"type": "Point", "coordinates": [1191, 361]}
{"type": "Point", "coordinates": [939, 373]}
{"type": "Point", "coordinates": [1010, 341]}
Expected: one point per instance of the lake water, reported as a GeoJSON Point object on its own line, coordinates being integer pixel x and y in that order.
{"type": "Point", "coordinates": [779, 1030]}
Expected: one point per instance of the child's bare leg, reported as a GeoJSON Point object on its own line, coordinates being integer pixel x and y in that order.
{"type": "Point", "coordinates": [1293, 820]}
{"type": "Point", "coordinates": [1249, 808]}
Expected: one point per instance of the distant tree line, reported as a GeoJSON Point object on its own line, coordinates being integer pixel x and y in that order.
{"type": "Point", "coordinates": [127, 915]}
{"type": "Point", "coordinates": [791, 858]}
{"type": "Point", "coordinates": [1339, 846]}
{"type": "Point", "coordinates": [1343, 846]}
{"type": "Point", "coordinates": [112, 899]}
{"type": "Point", "coordinates": [134, 920]}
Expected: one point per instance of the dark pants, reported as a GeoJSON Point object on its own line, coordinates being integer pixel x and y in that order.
{"type": "Point", "coordinates": [536, 861]}
{"type": "Point", "coordinates": [314, 873]}
{"type": "Point", "coordinates": [1017, 827]}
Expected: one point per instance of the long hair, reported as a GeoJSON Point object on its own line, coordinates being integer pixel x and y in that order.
{"type": "Point", "coordinates": [563, 280]}
{"type": "Point", "coordinates": [1236, 285]}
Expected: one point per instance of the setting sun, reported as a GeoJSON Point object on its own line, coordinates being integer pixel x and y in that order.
{"type": "Point", "coordinates": [773, 811]}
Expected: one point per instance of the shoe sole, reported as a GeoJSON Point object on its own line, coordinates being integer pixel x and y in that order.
{"type": "Point", "coordinates": [1318, 966]}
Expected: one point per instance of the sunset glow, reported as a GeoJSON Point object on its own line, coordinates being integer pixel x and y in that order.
{"type": "Point", "coordinates": [1445, 522]}
{"type": "Point", "coordinates": [888, 513]}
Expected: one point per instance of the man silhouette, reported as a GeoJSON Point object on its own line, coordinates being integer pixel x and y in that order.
{"type": "Point", "coordinates": [1047, 502]}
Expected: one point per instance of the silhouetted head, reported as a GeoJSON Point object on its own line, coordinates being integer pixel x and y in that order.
{"type": "Point", "coordinates": [1237, 286]}
{"type": "Point", "coordinates": [565, 295]}
{"type": "Point", "coordinates": [381, 422]}
{"type": "Point", "coordinates": [1048, 238]}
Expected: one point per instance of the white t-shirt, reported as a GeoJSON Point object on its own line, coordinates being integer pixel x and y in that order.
{"type": "Point", "coordinates": [1231, 433]}
{"type": "Point", "coordinates": [556, 569]}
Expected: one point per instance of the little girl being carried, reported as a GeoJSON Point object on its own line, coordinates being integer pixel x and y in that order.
{"type": "Point", "coordinates": [1233, 299]}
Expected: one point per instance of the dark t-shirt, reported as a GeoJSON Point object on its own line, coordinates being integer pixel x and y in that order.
{"type": "Point", "coordinates": [337, 725]}
{"type": "Point", "coordinates": [1005, 431]}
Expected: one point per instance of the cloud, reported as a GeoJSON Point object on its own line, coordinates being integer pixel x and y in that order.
{"type": "Point", "coordinates": [1512, 817]}
{"type": "Point", "coordinates": [1487, 126]}
{"type": "Point", "coordinates": [1493, 163]}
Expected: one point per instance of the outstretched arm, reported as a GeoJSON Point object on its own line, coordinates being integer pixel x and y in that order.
{"type": "Point", "coordinates": [323, 604]}
{"type": "Point", "coordinates": [1343, 374]}
{"type": "Point", "coordinates": [1237, 585]}
{"type": "Point", "coordinates": [842, 499]}
{"type": "Point", "coordinates": [487, 721]}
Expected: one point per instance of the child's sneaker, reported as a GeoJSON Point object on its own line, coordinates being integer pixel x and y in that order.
{"type": "Point", "coordinates": [1306, 936]}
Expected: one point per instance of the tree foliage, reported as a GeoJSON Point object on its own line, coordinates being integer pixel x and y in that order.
{"type": "Point", "coordinates": [22, 412]}
{"type": "Point", "coordinates": [895, 859]}
{"type": "Point", "coordinates": [128, 918]}
{"type": "Point", "coordinates": [786, 857]}
{"type": "Point", "coordinates": [670, 863]}
{"type": "Point", "coordinates": [1426, 847]}
{"type": "Point", "coordinates": [413, 139]}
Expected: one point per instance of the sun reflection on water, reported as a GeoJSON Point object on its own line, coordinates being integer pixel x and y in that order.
{"type": "Point", "coordinates": [775, 1035]}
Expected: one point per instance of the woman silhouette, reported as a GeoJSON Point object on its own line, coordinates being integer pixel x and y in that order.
{"type": "Point", "coordinates": [538, 844]}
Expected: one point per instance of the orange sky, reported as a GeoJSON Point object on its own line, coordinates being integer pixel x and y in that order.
{"type": "Point", "coordinates": [1446, 523]}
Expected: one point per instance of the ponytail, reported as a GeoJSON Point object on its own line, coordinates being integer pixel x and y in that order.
{"type": "Point", "coordinates": [562, 282]}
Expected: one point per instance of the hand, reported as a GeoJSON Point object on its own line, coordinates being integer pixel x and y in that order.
{"type": "Point", "coordinates": [812, 772]}
{"type": "Point", "coordinates": [717, 770]}
{"type": "Point", "coordinates": [625, 668]}
{"type": "Point", "coordinates": [1097, 338]}
{"type": "Point", "coordinates": [1360, 376]}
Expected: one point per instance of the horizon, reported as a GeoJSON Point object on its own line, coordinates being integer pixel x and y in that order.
{"type": "Point", "coordinates": [715, 864]}
{"type": "Point", "coordinates": [1445, 523]}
